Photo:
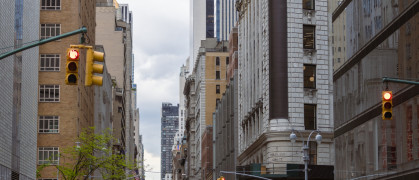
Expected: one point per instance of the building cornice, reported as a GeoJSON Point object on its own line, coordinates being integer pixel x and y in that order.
{"type": "Point", "coordinates": [267, 137]}
{"type": "Point", "coordinates": [241, 7]}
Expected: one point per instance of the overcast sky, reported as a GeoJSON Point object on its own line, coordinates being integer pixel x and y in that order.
{"type": "Point", "coordinates": [161, 36]}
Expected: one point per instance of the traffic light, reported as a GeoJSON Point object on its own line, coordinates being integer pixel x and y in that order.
{"type": "Point", "coordinates": [72, 66]}
{"type": "Point", "coordinates": [221, 178]}
{"type": "Point", "coordinates": [387, 105]}
{"type": "Point", "coordinates": [91, 68]}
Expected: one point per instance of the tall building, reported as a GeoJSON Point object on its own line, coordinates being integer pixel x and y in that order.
{"type": "Point", "coordinates": [190, 131]}
{"type": "Point", "coordinates": [284, 87]}
{"type": "Point", "coordinates": [169, 126]}
{"type": "Point", "coordinates": [225, 127]}
{"type": "Point", "coordinates": [380, 44]}
{"type": "Point", "coordinates": [178, 141]}
{"type": "Point", "coordinates": [115, 35]}
{"type": "Point", "coordinates": [226, 17]}
{"type": "Point", "coordinates": [141, 155]}
{"type": "Point", "coordinates": [201, 25]}
{"type": "Point", "coordinates": [337, 37]}
{"type": "Point", "coordinates": [124, 14]}
{"type": "Point", "coordinates": [209, 82]}
{"type": "Point", "coordinates": [65, 110]}
{"type": "Point", "coordinates": [184, 71]}
{"type": "Point", "coordinates": [18, 84]}
{"type": "Point", "coordinates": [226, 130]}
{"type": "Point", "coordinates": [137, 148]}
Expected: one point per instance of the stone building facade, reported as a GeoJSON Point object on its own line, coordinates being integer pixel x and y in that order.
{"type": "Point", "coordinates": [284, 84]}
{"type": "Point", "coordinates": [210, 81]}
{"type": "Point", "coordinates": [226, 130]}
{"type": "Point", "coordinates": [190, 131]}
{"type": "Point", "coordinates": [115, 35]}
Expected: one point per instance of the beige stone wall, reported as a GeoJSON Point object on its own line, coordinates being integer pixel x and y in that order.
{"type": "Point", "coordinates": [75, 108]}
{"type": "Point", "coordinates": [212, 82]}
{"type": "Point", "coordinates": [112, 41]}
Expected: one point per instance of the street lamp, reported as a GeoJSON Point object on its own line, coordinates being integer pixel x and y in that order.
{"type": "Point", "coordinates": [77, 145]}
{"type": "Point", "coordinates": [306, 158]}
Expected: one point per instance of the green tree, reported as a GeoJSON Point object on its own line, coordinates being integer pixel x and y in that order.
{"type": "Point", "coordinates": [92, 154]}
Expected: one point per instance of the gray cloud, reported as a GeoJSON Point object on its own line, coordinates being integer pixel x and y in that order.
{"type": "Point", "coordinates": [160, 46]}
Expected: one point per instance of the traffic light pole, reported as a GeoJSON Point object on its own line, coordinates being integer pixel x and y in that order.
{"type": "Point", "coordinates": [231, 172]}
{"type": "Point", "coordinates": [386, 79]}
{"type": "Point", "coordinates": [44, 41]}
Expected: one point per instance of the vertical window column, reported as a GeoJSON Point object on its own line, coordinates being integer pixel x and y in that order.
{"type": "Point", "coordinates": [310, 117]}
{"type": "Point", "coordinates": [309, 37]}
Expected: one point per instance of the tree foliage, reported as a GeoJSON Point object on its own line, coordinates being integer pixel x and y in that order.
{"type": "Point", "coordinates": [92, 154]}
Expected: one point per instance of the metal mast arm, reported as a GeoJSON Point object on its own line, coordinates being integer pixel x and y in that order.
{"type": "Point", "coordinates": [386, 79]}
{"type": "Point", "coordinates": [81, 30]}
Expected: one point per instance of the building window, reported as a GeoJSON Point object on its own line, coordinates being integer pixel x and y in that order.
{"type": "Point", "coordinates": [217, 100]}
{"type": "Point", "coordinates": [49, 93]}
{"type": "Point", "coordinates": [308, 4]}
{"type": "Point", "coordinates": [48, 124]}
{"type": "Point", "coordinates": [309, 76]}
{"type": "Point", "coordinates": [50, 5]}
{"type": "Point", "coordinates": [227, 60]}
{"type": "Point", "coordinates": [312, 152]}
{"type": "Point", "coordinates": [50, 62]}
{"type": "Point", "coordinates": [217, 89]}
{"type": "Point", "coordinates": [308, 36]}
{"type": "Point", "coordinates": [310, 117]}
{"type": "Point", "coordinates": [48, 155]}
{"type": "Point", "coordinates": [217, 61]}
{"type": "Point", "coordinates": [391, 157]}
{"type": "Point", "coordinates": [408, 52]}
{"type": "Point", "coordinates": [217, 75]}
{"type": "Point", "coordinates": [50, 30]}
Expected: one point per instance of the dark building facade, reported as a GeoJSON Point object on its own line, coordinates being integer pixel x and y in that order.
{"type": "Point", "coordinates": [169, 126]}
{"type": "Point", "coordinates": [210, 19]}
{"type": "Point", "coordinates": [381, 40]}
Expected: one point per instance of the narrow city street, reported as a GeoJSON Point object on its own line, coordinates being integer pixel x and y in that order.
{"type": "Point", "coordinates": [209, 89]}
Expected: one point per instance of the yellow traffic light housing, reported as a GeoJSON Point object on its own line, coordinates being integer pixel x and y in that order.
{"type": "Point", "coordinates": [91, 68]}
{"type": "Point", "coordinates": [387, 105]}
{"type": "Point", "coordinates": [72, 66]}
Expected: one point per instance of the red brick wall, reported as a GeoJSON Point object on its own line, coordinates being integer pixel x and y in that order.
{"type": "Point", "coordinates": [207, 154]}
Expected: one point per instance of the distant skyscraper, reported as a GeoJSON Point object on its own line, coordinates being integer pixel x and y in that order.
{"type": "Point", "coordinates": [202, 25]}
{"type": "Point", "coordinates": [18, 99]}
{"type": "Point", "coordinates": [226, 17]}
{"type": "Point", "coordinates": [169, 126]}
{"type": "Point", "coordinates": [124, 14]}
{"type": "Point", "coordinates": [182, 79]}
{"type": "Point", "coordinates": [209, 18]}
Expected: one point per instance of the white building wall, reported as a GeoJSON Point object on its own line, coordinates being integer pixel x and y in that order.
{"type": "Point", "coordinates": [184, 72]}
{"type": "Point", "coordinates": [200, 108]}
{"type": "Point", "coordinates": [198, 28]}
{"type": "Point", "coordinates": [228, 18]}
{"type": "Point", "coordinates": [254, 82]}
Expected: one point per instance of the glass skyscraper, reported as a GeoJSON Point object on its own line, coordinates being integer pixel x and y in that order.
{"type": "Point", "coordinates": [169, 126]}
